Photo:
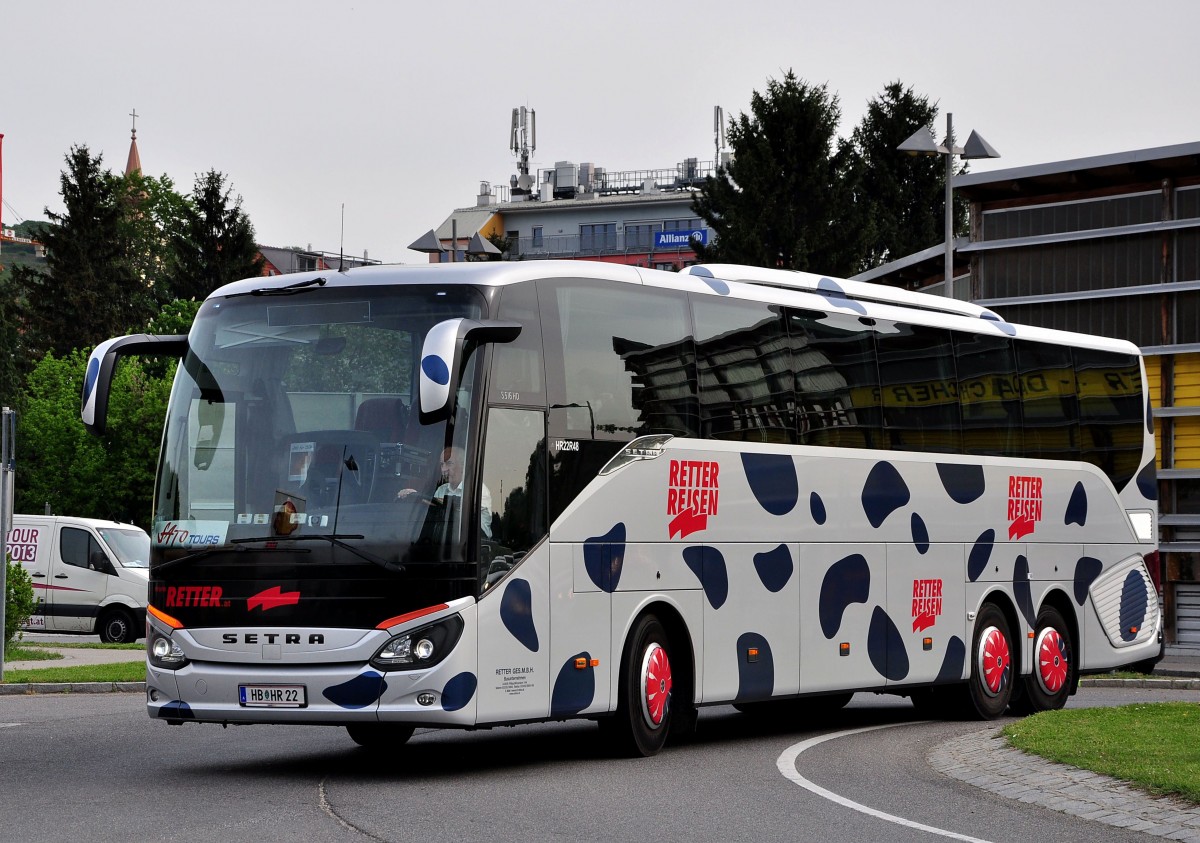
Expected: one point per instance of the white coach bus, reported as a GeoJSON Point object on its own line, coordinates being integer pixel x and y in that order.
{"type": "Point", "coordinates": [492, 493]}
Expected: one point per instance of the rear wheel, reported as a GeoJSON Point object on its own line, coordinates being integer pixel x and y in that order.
{"type": "Point", "coordinates": [1048, 687]}
{"type": "Point", "coordinates": [990, 687]}
{"type": "Point", "coordinates": [643, 716]}
{"type": "Point", "coordinates": [116, 627]}
{"type": "Point", "coordinates": [380, 735]}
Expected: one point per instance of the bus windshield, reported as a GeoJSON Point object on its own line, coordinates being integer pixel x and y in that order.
{"type": "Point", "coordinates": [293, 419]}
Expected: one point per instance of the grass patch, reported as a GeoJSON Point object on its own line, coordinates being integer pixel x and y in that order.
{"type": "Point", "coordinates": [119, 672]}
{"type": "Point", "coordinates": [25, 652]}
{"type": "Point", "coordinates": [84, 645]}
{"type": "Point", "coordinates": [1153, 745]}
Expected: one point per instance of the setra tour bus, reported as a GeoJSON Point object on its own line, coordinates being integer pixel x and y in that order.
{"type": "Point", "coordinates": [484, 494]}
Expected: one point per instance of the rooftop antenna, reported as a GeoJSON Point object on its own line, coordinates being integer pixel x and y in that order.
{"type": "Point", "coordinates": [342, 242]}
{"type": "Point", "coordinates": [718, 131]}
{"type": "Point", "coordinates": [523, 137]}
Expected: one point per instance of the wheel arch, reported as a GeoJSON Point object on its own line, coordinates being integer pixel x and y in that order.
{"type": "Point", "coordinates": [670, 616]}
{"type": "Point", "coordinates": [1058, 599]}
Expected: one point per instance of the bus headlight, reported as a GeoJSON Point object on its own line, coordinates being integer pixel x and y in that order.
{"type": "Point", "coordinates": [418, 648]}
{"type": "Point", "coordinates": [165, 652]}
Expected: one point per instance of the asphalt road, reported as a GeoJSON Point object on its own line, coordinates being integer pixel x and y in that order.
{"type": "Point", "coordinates": [95, 768]}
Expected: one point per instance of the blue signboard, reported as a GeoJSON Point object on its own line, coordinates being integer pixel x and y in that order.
{"type": "Point", "coordinates": [680, 239]}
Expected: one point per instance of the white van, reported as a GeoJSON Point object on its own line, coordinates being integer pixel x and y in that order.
{"type": "Point", "coordinates": [89, 576]}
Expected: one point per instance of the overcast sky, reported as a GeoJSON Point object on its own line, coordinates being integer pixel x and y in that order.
{"type": "Point", "coordinates": [399, 109]}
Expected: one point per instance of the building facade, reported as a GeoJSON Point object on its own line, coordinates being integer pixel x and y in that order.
{"type": "Point", "coordinates": [1106, 245]}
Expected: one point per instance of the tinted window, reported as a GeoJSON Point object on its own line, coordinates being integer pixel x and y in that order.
{"type": "Point", "coordinates": [628, 366]}
{"type": "Point", "coordinates": [919, 388]}
{"type": "Point", "coordinates": [1110, 412]}
{"type": "Point", "coordinates": [518, 375]}
{"type": "Point", "coordinates": [989, 394]}
{"type": "Point", "coordinates": [837, 380]}
{"type": "Point", "coordinates": [745, 370]}
{"type": "Point", "coordinates": [1048, 392]}
{"type": "Point", "coordinates": [76, 546]}
{"type": "Point", "coordinates": [514, 473]}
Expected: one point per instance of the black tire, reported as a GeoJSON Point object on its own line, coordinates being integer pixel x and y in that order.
{"type": "Point", "coordinates": [116, 626]}
{"type": "Point", "coordinates": [644, 699]}
{"type": "Point", "coordinates": [990, 688]}
{"type": "Point", "coordinates": [1053, 676]}
{"type": "Point", "coordinates": [380, 736]}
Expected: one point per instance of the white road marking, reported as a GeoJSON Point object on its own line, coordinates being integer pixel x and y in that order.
{"type": "Point", "coordinates": [7, 725]}
{"type": "Point", "coordinates": [787, 766]}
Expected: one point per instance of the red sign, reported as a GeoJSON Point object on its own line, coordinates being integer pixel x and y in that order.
{"type": "Point", "coordinates": [926, 603]}
{"type": "Point", "coordinates": [273, 598]}
{"type": "Point", "coordinates": [692, 493]}
{"type": "Point", "coordinates": [182, 596]}
{"type": "Point", "coordinates": [1024, 505]}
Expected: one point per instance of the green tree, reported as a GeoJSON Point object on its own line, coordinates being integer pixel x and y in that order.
{"type": "Point", "coordinates": [89, 291]}
{"type": "Point", "coordinates": [215, 242]}
{"type": "Point", "coordinates": [18, 599]}
{"type": "Point", "coordinates": [153, 214]}
{"type": "Point", "coordinates": [783, 201]}
{"type": "Point", "coordinates": [900, 198]}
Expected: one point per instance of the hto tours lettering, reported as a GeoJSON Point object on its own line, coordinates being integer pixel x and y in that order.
{"type": "Point", "coordinates": [22, 543]}
{"type": "Point", "coordinates": [692, 495]}
{"type": "Point", "coordinates": [1024, 505]}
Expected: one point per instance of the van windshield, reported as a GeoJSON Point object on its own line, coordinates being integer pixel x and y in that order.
{"type": "Point", "coordinates": [131, 547]}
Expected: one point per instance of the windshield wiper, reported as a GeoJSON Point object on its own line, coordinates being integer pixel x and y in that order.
{"type": "Point", "coordinates": [285, 290]}
{"type": "Point", "coordinates": [335, 539]}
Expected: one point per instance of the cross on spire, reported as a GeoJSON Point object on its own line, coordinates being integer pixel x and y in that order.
{"type": "Point", "coordinates": [133, 114]}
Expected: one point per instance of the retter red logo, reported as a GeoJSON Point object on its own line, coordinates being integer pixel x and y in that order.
{"type": "Point", "coordinates": [1024, 505]}
{"type": "Point", "coordinates": [273, 598]}
{"type": "Point", "coordinates": [691, 496]}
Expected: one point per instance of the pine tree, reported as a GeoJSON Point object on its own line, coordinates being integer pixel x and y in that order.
{"type": "Point", "coordinates": [215, 242]}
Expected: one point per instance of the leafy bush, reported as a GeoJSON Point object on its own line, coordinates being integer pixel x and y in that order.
{"type": "Point", "coordinates": [18, 601]}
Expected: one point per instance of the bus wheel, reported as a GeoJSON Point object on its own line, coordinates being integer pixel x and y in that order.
{"type": "Point", "coordinates": [116, 627]}
{"type": "Point", "coordinates": [1053, 665]}
{"type": "Point", "coordinates": [643, 716]}
{"type": "Point", "coordinates": [380, 735]}
{"type": "Point", "coordinates": [991, 684]}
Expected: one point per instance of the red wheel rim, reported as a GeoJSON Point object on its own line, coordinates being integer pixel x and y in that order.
{"type": "Point", "coordinates": [656, 680]}
{"type": "Point", "coordinates": [995, 661]}
{"type": "Point", "coordinates": [1054, 660]}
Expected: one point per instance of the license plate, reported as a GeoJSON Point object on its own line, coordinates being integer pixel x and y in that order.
{"type": "Point", "coordinates": [273, 696]}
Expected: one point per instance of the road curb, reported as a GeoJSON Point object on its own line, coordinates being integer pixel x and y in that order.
{"type": "Point", "coordinates": [1176, 684]}
{"type": "Point", "coordinates": [23, 688]}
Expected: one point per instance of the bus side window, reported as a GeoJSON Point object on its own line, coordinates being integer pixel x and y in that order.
{"type": "Point", "coordinates": [1109, 387]}
{"type": "Point", "coordinates": [990, 395]}
{"type": "Point", "coordinates": [518, 373]}
{"type": "Point", "coordinates": [744, 366]}
{"type": "Point", "coordinates": [919, 388]}
{"type": "Point", "coordinates": [837, 380]}
{"type": "Point", "coordinates": [1047, 375]}
{"type": "Point", "coordinates": [514, 474]}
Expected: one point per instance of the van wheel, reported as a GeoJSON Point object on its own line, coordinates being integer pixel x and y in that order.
{"type": "Point", "coordinates": [116, 627]}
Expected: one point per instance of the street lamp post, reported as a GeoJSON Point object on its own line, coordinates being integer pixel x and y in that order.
{"type": "Point", "coordinates": [921, 142]}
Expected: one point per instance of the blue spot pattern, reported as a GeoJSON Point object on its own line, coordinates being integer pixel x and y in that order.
{"type": "Point", "coordinates": [435, 369]}
{"type": "Point", "coordinates": [833, 293]}
{"type": "Point", "coordinates": [1149, 417]}
{"type": "Point", "coordinates": [847, 581]}
{"type": "Point", "coordinates": [177, 710]}
{"type": "Point", "coordinates": [1077, 506]}
{"type": "Point", "coordinates": [516, 611]}
{"type": "Point", "coordinates": [772, 478]}
{"type": "Point", "coordinates": [708, 565]}
{"type": "Point", "coordinates": [884, 492]}
{"type": "Point", "coordinates": [774, 568]}
{"type": "Point", "coordinates": [459, 691]}
{"type": "Point", "coordinates": [604, 557]}
{"type": "Point", "coordinates": [1146, 481]}
{"type": "Point", "coordinates": [920, 534]}
{"type": "Point", "coordinates": [1086, 571]}
{"type": "Point", "coordinates": [977, 560]}
{"type": "Point", "coordinates": [361, 691]}
{"type": "Point", "coordinates": [817, 507]}
{"type": "Point", "coordinates": [964, 483]}
{"type": "Point", "coordinates": [1022, 590]}
{"type": "Point", "coordinates": [89, 380]}
{"type": "Point", "coordinates": [756, 680]}
{"type": "Point", "coordinates": [886, 647]}
{"type": "Point", "coordinates": [953, 662]}
{"type": "Point", "coordinates": [574, 689]}
{"type": "Point", "coordinates": [1133, 605]}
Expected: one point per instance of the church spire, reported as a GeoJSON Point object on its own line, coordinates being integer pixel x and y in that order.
{"type": "Point", "coordinates": [134, 164]}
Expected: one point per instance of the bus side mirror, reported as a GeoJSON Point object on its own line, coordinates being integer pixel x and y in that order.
{"type": "Point", "coordinates": [103, 360]}
{"type": "Point", "coordinates": [442, 356]}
